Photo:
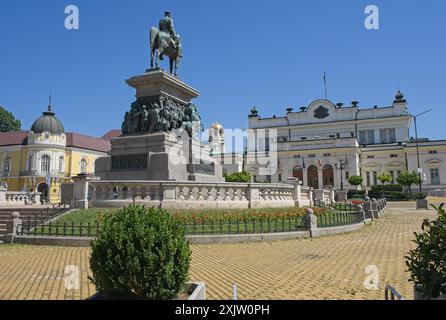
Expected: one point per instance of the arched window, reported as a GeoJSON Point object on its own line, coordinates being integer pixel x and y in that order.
{"type": "Point", "coordinates": [7, 164]}
{"type": "Point", "coordinates": [61, 164]}
{"type": "Point", "coordinates": [298, 173]}
{"type": "Point", "coordinates": [30, 162]}
{"type": "Point", "coordinates": [83, 166]}
{"type": "Point", "coordinates": [45, 163]}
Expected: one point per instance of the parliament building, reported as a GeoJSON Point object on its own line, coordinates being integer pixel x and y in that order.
{"type": "Point", "coordinates": [324, 144]}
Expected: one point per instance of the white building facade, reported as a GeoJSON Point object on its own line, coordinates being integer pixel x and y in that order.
{"type": "Point", "coordinates": [324, 144]}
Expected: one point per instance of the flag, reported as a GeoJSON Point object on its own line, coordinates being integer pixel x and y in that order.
{"type": "Point", "coordinates": [320, 162]}
{"type": "Point", "coordinates": [303, 162]}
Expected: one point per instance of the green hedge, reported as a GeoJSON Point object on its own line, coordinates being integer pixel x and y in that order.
{"type": "Point", "coordinates": [390, 187]}
{"type": "Point", "coordinates": [389, 195]}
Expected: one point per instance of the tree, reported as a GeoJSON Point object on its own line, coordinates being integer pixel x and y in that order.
{"type": "Point", "coordinates": [385, 177]}
{"type": "Point", "coordinates": [407, 179]}
{"type": "Point", "coordinates": [355, 180]}
{"type": "Point", "coordinates": [8, 122]}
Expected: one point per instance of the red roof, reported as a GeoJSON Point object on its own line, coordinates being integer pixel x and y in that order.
{"type": "Point", "coordinates": [13, 138]}
{"type": "Point", "coordinates": [73, 140]}
{"type": "Point", "coordinates": [86, 142]}
{"type": "Point", "coordinates": [112, 134]}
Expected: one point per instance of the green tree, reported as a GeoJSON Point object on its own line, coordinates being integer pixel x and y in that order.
{"type": "Point", "coordinates": [385, 177]}
{"type": "Point", "coordinates": [407, 179]}
{"type": "Point", "coordinates": [355, 180]}
{"type": "Point", "coordinates": [8, 122]}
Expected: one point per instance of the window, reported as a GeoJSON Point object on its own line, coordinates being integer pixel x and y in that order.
{"type": "Point", "coordinates": [29, 165]}
{"type": "Point", "coordinates": [433, 151]}
{"type": "Point", "coordinates": [327, 155]}
{"type": "Point", "coordinates": [83, 166]}
{"type": "Point", "coordinates": [392, 174]}
{"type": "Point", "coordinates": [370, 157]}
{"type": "Point", "coordinates": [303, 138]}
{"type": "Point", "coordinates": [45, 163]}
{"type": "Point", "coordinates": [280, 177]}
{"type": "Point", "coordinates": [394, 156]}
{"type": "Point", "coordinates": [387, 135]}
{"type": "Point", "coordinates": [435, 176]}
{"type": "Point", "coordinates": [367, 176]}
{"type": "Point", "coordinates": [375, 178]}
{"type": "Point", "coordinates": [311, 156]}
{"type": "Point", "coordinates": [7, 164]}
{"type": "Point", "coordinates": [347, 175]}
{"type": "Point", "coordinates": [296, 156]}
{"type": "Point", "coordinates": [61, 164]}
{"type": "Point", "coordinates": [367, 137]}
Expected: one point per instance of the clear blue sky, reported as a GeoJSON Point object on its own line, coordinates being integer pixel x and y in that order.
{"type": "Point", "coordinates": [275, 51]}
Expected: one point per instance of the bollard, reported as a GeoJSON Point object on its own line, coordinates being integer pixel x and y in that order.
{"type": "Point", "coordinates": [310, 223]}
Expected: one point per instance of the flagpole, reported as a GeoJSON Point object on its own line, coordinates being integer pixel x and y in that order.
{"type": "Point", "coordinates": [325, 84]}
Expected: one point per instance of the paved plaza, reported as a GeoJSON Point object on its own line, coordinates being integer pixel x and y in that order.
{"type": "Point", "coordinates": [322, 268]}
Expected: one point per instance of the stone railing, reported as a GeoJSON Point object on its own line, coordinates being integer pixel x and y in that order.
{"type": "Point", "coordinates": [13, 198]}
{"type": "Point", "coordinates": [188, 195]}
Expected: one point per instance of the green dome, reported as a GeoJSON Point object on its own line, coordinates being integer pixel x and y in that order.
{"type": "Point", "coordinates": [48, 123]}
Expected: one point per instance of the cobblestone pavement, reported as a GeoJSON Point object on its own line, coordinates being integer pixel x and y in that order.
{"type": "Point", "coordinates": [322, 268]}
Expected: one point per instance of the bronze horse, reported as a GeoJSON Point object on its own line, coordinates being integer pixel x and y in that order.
{"type": "Point", "coordinates": [161, 44]}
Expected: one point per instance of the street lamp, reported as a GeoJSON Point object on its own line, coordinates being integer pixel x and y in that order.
{"type": "Point", "coordinates": [416, 143]}
{"type": "Point", "coordinates": [341, 166]}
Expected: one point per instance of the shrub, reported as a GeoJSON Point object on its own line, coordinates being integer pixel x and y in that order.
{"type": "Point", "coordinates": [355, 180]}
{"type": "Point", "coordinates": [243, 176]}
{"type": "Point", "coordinates": [390, 187]}
{"type": "Point", "coordinates": [140, 253]}
{"type": "Point", "coordinates": [385, 177]}
{"type": "Point", "coordinates": [355, 194]}
{"type": "Point", "coordinates": [427, 262]}
{"type": "Point", "coordinates": [421, 196]}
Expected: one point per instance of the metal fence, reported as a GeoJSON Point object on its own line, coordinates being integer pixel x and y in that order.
{"type": "Point", "coordinates": [31, 227]}
{"type": "Point", "coordinates": [245, 226]}
{"type": "Point", "coordinates": [34, 228]}
{"type": "Point", "coordinates": [337, 219]}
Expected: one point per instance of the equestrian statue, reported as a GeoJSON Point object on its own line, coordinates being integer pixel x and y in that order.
{"type": "Point", "coordinates": [165, 42]}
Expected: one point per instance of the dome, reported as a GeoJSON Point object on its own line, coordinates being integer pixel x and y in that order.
{"type": "Point", "coordinates": [48, 123]}
{"type": "Point", "coordinates": [217, 126]}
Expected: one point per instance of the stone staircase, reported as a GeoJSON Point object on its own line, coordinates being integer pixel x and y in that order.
{"type": "Point", "coordinates": [36, 215]}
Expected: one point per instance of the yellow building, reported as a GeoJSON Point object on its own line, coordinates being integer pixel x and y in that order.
{"type": "Point", "coordinates": [46, 156]}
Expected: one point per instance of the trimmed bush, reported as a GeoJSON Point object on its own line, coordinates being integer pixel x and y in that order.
{"type": "Point", "coordinates": [243, 176]}
{"type": "Point", "coordinates": [390, 187]}
{"type": "Point", "coordinates": [427, 262]}
{"type": "Point", "coordinates": [140, 253]}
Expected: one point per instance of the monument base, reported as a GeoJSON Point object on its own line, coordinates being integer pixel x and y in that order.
{"type": "Point", "coordinates": [159, 156]}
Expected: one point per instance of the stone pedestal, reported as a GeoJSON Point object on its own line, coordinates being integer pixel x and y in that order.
{"type": "Point", "coordinates": [80, 189]}
{"type": "Point", "coordinates": [145, 151]}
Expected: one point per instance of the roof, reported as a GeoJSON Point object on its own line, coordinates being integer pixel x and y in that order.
{"type": "Point", "coordinates": [13, 138]}
{"type": "Point", "coordinates": [73, 140]}
{"type": "Point", "coordinates": [86, 142]}
{"type": "Point", "coordinates": [112, 134]}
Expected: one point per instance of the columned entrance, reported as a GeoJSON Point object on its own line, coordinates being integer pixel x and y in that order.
{"type": "Point", "coordinates": [328, 175]}
{"type": "Point", "coordinates": [313, 177]}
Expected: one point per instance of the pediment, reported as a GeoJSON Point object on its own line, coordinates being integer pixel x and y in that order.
{"type": "Point", "coordinates": [434, 162]}
{"type": "Point", "coordinates": [395, 164]}
{"type": "Point", "coordinates": [372, 165]}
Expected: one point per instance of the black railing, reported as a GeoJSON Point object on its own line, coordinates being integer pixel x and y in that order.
{"type": "Point", "coordinates": [337, 219]}
{"type": "Point", "coordinates": [245, 226]}
{"type": "Point", "coordinates": [35, 228]}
